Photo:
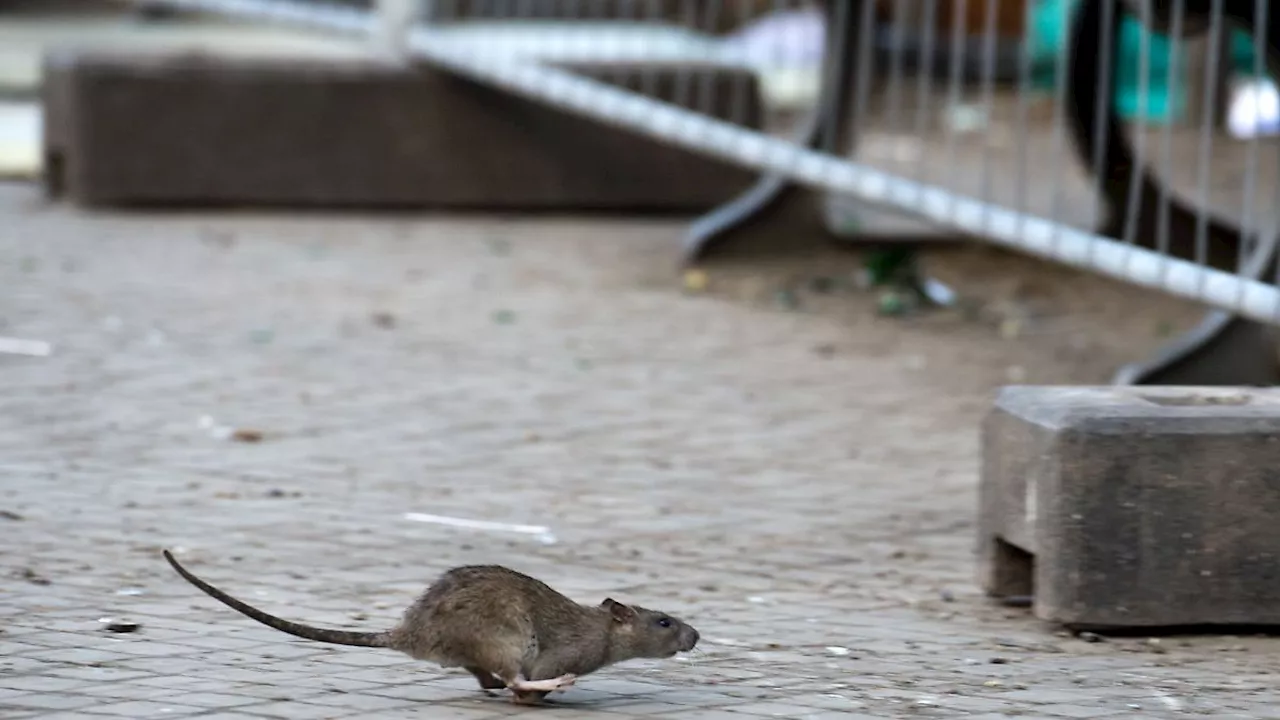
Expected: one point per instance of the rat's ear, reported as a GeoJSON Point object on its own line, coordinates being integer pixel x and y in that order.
{"type": "Point", "coordinates": [620, 612]}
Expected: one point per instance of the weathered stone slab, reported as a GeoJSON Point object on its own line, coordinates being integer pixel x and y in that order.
{"type": "Point", "coordinates": [1134, 507]}
{"type": "Point", "coordinates": [183, 129]}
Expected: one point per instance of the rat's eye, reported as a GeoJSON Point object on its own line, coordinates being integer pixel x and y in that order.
{"type": "Point", "coordinates": [664, 622]}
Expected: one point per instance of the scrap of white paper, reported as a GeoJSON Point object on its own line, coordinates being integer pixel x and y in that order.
{"type": "Point", "coordinates": [543, 533]}
{"type": "Point", "coordinates": [19, 346]}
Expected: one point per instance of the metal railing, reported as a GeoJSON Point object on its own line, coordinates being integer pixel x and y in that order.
{"type": "Point", "coordinates": [1021, 138]}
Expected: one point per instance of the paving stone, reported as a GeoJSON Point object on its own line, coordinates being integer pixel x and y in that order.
{"type": "Point", "coordinates": [129, 691]}
{"type": "Point", "coordinates": [428, 692]}
{"type": "Point", "coordinates": [40, 683]}
{"type": "Point", "coordinates": [50, 701]}
{"type": "Point", "coordinates": [711, 714]}
{"type": "Point", "coordinates": [309, 711]}
{"type": "Point", "coordinates": [329, 683]}
{"type": "Point", "coordinates": [1133, 507]}
{"type": "Point", "coordinates": [466, 713]}
{"type": "Point", "coordinates": [56, 715]}
{"type": "Point", "coordinates": [152, 130]}
{"type": "Point", "coordinates": [686, 412]}
{"type": "Point", "coordinates": [1078, 711]}
{"type": "Point", "coordinates": [145, 709]}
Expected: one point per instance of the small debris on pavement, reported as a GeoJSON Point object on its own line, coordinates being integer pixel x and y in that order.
{"type": "Point", "coordinates": [499, 246]}
{"type": "Point", "coordinates": [938, 292]}
{"type": "Point", "coordinates": [543, 534]}
{"type": "Point", "coordinates": [822, 284]}
{"type": "Point", "coordinates": [1011, 328]}
{"type": "Point", "coordinates": [246, 435]}
{"type": "Point", "coordinates": [33, 577]}
{"type": "Point", "coordinates": [896, 148]}
{"type": "Point", "coordinates": [1027, 646]}
{"type": "Point", "coordinates": [22, 346]}
{"type": "Point", "coordinates": [1089, 637]}
{"type": "Point", "coordinates": [275, 493]}
{"type": "Point", "coordinates": [10, 515]}
{"type": "Point", "coordinates": [965, 118]}
{"type": "Point", "coordinates": [217, 431]}
{"type": "Point", "coordinates": [130, 591]}
{"type": "Point", "coordinates": [119, 626]}
{"type": "Point", "coordinates": [837, 650]}
{"type": "Point", "coordinates": [728, 642]}
{"type": "Point", "coordinates": [894, 303]}
{"type": "Point", "coordinates": [219, 238]}
{"type": "Point", "coordinates": [787, 299]}
{"type": "Point", "coordinates": [696, 280]}
{"type": "Point", "coordinates": [384, 320]}
{"type": "Point", "coordinates": [1168, 700]}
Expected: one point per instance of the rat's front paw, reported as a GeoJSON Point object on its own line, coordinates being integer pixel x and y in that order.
{"type": "Point", "coordinates": [566, 681]}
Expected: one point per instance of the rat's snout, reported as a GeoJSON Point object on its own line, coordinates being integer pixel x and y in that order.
{"type": "Point", "coordinates": [689, 640]}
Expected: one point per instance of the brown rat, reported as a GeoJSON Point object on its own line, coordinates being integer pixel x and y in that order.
{"type": "Point", "coordinates": [504, 627]}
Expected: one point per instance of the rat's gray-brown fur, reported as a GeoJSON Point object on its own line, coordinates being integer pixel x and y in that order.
{"type": "Point", "coordinates": [505, 628]}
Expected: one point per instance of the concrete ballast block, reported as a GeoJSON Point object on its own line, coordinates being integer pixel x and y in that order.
{"type": "Point", "coordinates": [179, 128]}
{"type": "Point", "coordinates": [1128, 507]}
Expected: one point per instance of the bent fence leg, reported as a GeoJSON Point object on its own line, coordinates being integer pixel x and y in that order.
{"type": "Point", "coordinates": [1224, 348]}
{"type": "Point", "coordinates": [826, 128]}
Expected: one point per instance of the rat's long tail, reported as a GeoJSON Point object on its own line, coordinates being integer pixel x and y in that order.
{"type": "Point", "coordinates": [337, 637]}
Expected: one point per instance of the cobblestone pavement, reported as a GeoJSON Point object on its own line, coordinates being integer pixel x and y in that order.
{"type": "Point", "coordinates": [793, 488]}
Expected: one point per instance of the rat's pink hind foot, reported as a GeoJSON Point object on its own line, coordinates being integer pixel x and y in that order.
{"type": "Point", "coordinates": [561, 683]}
{"type": "Point", "coordinates": [532, 697]}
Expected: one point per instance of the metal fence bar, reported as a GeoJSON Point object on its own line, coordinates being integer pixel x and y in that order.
{"type": "Point", "coordinates": [395, 19]}
{"type": "Point", "coordinates": [688, 129]}
{"type": "Point", "coordinates": [333, 18]}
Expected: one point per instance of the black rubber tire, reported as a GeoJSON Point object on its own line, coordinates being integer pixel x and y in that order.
{"type": "Point", "coordinates": [1086, 43]}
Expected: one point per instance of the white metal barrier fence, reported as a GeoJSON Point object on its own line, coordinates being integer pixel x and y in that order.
{"type": "Point", "coordinates": [964, 123]}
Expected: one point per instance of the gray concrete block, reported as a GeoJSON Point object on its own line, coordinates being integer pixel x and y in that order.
{"type": "Point", "coordinates": [1132, 507]}
{"type": "Point", "coordinates": [182, 129]}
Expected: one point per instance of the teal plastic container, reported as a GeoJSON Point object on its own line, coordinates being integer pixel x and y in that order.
{"type": "Point", "coordinates": [1242, 54]}
{"type": "Point", "coordinates": [1165, 102]}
